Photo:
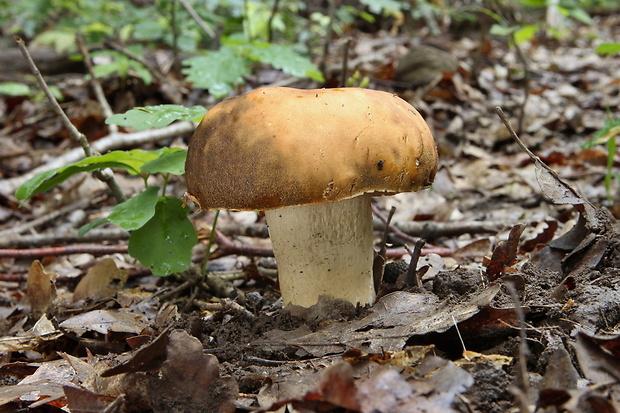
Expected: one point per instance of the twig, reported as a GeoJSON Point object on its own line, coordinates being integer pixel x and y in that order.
{"type": "Point", "coordinates": [80, 204]}
{"type": "Point", "coordinates": [274, 10]}
{"type": "Point", "coordinates": [152, 69]}
{"type": "Point", "coordinates": [209, 246]}
{"type": "Point", "coordinates": [399, 233]}
{"type": "Point", "coordinates": [345, 63]}
{"type": "Point", "coordinates": [107, 143]}
{"type": "Point", "coordinates": [69, 237]}
{"type": "Point", "coordinates": [96, 85]}
{"type": "Point", "coordinates": [228, 247]}
{"type": "Point", "coordinates": [104, 175]}
{"type": "Point", "coordinates": [412, 273]}
{"type": "Point", "coordinates": [170, 87]}
{"type": "Point", "coordinates": [526, 85]}
{"type": "Point", "coordinates": [66, 250]}
{"type": "Point", "coordinates": [331, 13]}
{"type": "Point", "coordinates": [192, 12]}
{"type": "Point", "coordinates": [523, 381]}
{"type": "Point", "coordinates": [409, 231]}
{"type": "Point", "coordinates": [378, 264]}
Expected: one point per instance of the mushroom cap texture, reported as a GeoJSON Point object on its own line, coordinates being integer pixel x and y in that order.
{"type": "Point", "coordinates": [277, 147]}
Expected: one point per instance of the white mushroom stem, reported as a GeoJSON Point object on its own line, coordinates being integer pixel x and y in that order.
{"type": "Point", "coordinates": [324, 249]}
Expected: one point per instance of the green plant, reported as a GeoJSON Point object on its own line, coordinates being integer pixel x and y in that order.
{"type": "Point", "coordinates": [22, 89]}
{"type": "Point", "coordinates": [607, 136]}
{"type": "Point", "coordinates": [162, 236]}
{"type": "Point", "coordinates": [219, 71]}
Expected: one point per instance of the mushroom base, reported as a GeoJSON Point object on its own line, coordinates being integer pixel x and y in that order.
{"type": "Point", "coordinates": [324, 249]}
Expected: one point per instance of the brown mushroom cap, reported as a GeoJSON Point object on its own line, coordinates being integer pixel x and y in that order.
{"type": "Point", "coordinates": [276, 147]}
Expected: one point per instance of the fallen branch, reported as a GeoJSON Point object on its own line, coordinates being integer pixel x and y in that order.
{"type": "Point", "coordinates": [8, 235]}
{"type": "Point", "coordinates": [65, 250]}
{"type": "Point", "coordinates": [428, 230]}
{"type": "Point", "coordinates": [96, 85]}
{"type": "Point", "coordinates": [68, 237]}
{"type": "Point", "coordinates": [192, 12]}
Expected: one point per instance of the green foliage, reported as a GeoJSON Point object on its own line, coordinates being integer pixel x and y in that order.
{"type": "Point", "coordinates": [15, 89]}
{"type": "Point", "coordinates": [608, 49]}
{"type": "Point", "coordinates": [217, 71]}
{"type": "Point", "coordinates": [162, 236]}
{"type": "Point", "coordinates": [132, 161]}
{"type": "Point", "coordinates": [22, 89]}
{"type": "Point", "coordinates": [165, 242]}
{"type": "Point", "coordinates": [607, 136]}
{"type": "Point", "coordinates": [121, 65]}
{"type": "Point", "coordinates": [131, 214]}
{"type": "Point", "coordinates": [141, 118]}
{"type": "Point", "coordinates": [221, 70]}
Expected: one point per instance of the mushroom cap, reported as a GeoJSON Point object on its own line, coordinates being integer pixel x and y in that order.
{"type": "Point", "coordinates": [277, 147]}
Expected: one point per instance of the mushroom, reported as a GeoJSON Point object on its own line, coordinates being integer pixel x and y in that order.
{"type": "Point", "coordinates": [312, 159]}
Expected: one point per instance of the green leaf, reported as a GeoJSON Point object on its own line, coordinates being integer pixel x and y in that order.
{"type": "Point", "coordinates": [94, 224]}
{"type": "Point", "coordinates": [141, 118]}
{"type": "Point", "coordinates": [218, 71]}
{"type": "Point", "coordinates": [608, 49]}
{"type": "Point", "coordinates": [173, 163]}
{"type": "Point", "coordinates": [137, 211]}
{"type": "Point", "coordinates": [132, 161]}
{"type": "Point", "coordinates": [378, 6]}
{"type": "Point", "coordinates": [165, 242]}
{"type": "Point", "coordinates": [15, 89]}
{"type": "Point", "coordinates": [499, 30]}
{"type": "Point", "coordinates": [580, 15]}
{"type": "Point", "coordinates": [610, 129]}
{"type": "Point", "coordinates": [284, 57]}
{"type": "Point", "coordinates": [525, 33]}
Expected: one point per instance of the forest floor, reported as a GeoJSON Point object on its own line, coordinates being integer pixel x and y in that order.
{"type": "Point", "coordinates": [519, 308]}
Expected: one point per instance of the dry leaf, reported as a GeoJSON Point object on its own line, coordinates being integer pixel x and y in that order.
{"type": "Point", "coordinates": [102, 281]}
{"type": "Point", "coordinates": [41, 289]}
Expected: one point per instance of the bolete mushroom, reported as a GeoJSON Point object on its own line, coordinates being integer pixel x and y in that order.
{"type": "Point", "coordinates": [312, 159]}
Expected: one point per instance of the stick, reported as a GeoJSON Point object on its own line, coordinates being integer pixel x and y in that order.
{"type": "Point", "coordinates": [66, 250]}
{"type": "Point", "coordinates": [105, 175]}
{"type": "Point", "coordinates": [192, 12]}
{"type": "Point", "coordinates": [96, 85]}
{"type": "Point", "coordinates": [274, 10]}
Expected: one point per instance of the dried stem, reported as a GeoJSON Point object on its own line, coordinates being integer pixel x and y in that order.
{"type": "Point", "coordinates": [412, 273]}
{"type": "Point", "coordinates": [378, 264]}
{"type": "Point", "coordinates": [345, 63]}
{"type": "Point", "coordinates": [66, 250]}
{"type": "Point", "coordinates": [96, 85]}
{"type": "Point", "coordinates": [331, 13]}
{"type": "Point", "coordinates": [104, 175]}
{"type": "Point", "coordinates": [192, 12]}
{"type": "Point", "coordinates": [274, 10]}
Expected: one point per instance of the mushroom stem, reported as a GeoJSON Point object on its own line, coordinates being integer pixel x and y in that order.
{"type": "Point", "coordinates": [324, 249]}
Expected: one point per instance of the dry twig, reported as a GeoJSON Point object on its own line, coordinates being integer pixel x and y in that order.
{"type": "Point", "coordinates": [104, 175]}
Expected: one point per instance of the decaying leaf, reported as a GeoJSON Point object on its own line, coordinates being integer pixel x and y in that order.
{"type": "Point", "coordinates": [104, 321]}
{"type": "Point", "coordinates": [41, 289]}
{"type": "Point", "coordinates": [102, 281]}
{"type": "Point", "coordinates": [189, 381]}
{"type": "Point", "coordinates": [505, 254]}
{"type": "Point", "coordinates": [383, 390]}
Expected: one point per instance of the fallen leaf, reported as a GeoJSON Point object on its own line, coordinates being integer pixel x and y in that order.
{"type": "Point", "coordinates": [105, 321]}
{"type": "Point", "coordinates": [41, 289]}
{"type": "Point", "coordinates": [102, 281]}
{"type": "Point", "coordinates": [505, 254]}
